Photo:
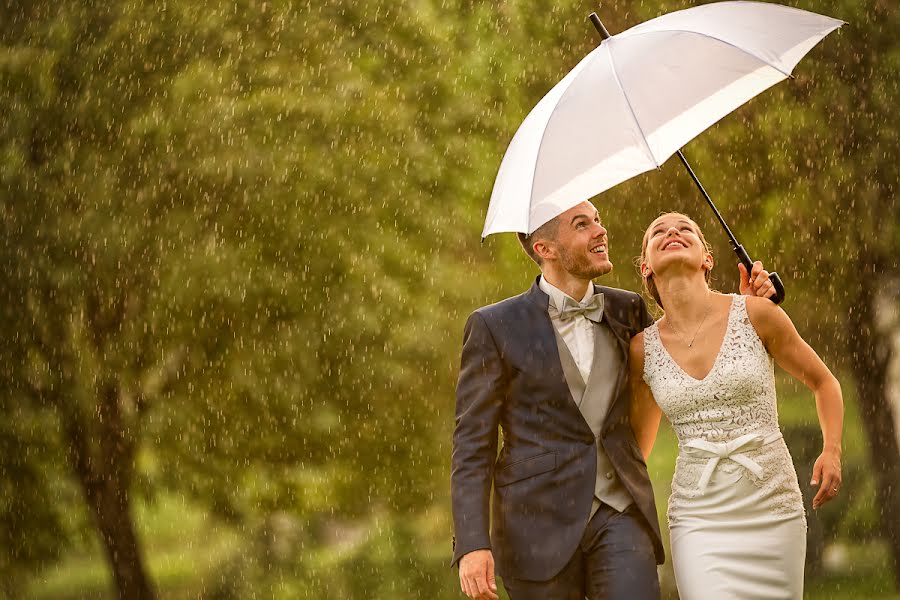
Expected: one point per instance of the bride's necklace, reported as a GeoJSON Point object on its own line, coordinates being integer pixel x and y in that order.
{"type": "Point", "coordinates": [699, 327]}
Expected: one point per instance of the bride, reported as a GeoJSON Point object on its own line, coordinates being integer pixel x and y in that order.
{"type": "Point", "coordinates": [736, 519]}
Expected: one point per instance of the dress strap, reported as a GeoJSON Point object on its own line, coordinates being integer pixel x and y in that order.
{"type": "Point", "coordinates": [651, 351]}
{"type": "Point", "coordinates": [740, 305]}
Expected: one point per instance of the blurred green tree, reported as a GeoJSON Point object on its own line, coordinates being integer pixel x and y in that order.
{"type": "Point", "coordinates": [143, 257]}
{"type": "Point", "coordinates": [222, 233]}
{"type": "Point", "coordinates": [187, 300]}
{"type": "Point", "coordinates": [240, 239]}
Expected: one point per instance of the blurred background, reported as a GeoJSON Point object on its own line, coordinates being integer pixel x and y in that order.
{"type": "Point", "coordinates": [240, 240]}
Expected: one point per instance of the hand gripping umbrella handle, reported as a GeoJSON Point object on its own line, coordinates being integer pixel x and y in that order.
{"type": "Point", "coordinates": [773, 276]}
{"type": "Point", "coordinates": [780, 293]}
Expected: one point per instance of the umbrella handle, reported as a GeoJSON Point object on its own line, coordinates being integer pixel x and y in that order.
{"type": "Point", "coordinates": [780, 293]}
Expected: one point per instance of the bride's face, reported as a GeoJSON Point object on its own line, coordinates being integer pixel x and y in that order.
{"type": "Point", "coordinates": [674, 241]}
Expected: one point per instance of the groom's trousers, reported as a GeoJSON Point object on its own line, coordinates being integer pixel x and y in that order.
{"type": "Point", "coordinates": [614, 561]}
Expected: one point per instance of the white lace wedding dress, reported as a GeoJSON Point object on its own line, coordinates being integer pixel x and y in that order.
{"type": "Point", "coordinates": [736, 520]}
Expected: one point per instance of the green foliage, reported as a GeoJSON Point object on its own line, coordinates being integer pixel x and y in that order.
{"type": "Point", "coordinates": [254, 225]}
{"type": "Point", "coordinates": [33, 494]}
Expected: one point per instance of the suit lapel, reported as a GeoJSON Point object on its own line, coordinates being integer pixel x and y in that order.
{"type": "Point", "coordinates": [548, 342]}
{"type": "Point", "coordinates": [543, 338]}
{"type": "Point", "coordinates": [623, 341]}
{"type": "Point", "coordinates": [619, 329]}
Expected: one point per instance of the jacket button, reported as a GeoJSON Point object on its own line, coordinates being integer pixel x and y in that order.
{"type": "Point", "coordinates": [609, 475]}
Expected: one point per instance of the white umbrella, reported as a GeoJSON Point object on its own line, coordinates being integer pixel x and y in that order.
{"type": "Point", "coordinates": [638, 97]}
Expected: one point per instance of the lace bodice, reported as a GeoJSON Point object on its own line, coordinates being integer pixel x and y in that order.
{"type": "Point", "coordinates": [735, 400]}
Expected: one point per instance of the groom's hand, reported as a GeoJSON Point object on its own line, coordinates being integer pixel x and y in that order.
{"type": "Point", "coordinates": [757, 282]}
{"type": "Point", "coordinates": [476, 575]}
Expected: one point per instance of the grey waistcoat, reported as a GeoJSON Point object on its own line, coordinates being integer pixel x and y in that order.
{"type": "Point", "coordinates": [593, 399]}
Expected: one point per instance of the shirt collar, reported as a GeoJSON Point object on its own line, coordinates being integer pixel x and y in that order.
{"type": "Point", "coordinates": [557, 295]}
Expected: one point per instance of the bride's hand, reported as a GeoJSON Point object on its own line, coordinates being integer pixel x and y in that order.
{"type": "Point", "coordinates": [827, 475]}
{"type": "Point", "coordinates": [757, 282]}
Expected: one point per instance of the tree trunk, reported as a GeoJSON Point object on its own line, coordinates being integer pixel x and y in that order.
{"type": "Point", "coordinates": [870, 353]}
{"type": "Point", "coordinates": [105, 477]}
{"type": "Point", "coordinates": [111, 510]}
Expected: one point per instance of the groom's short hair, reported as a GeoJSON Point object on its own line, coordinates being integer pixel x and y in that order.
{"type": "Point", "coordinates": [547, 231]}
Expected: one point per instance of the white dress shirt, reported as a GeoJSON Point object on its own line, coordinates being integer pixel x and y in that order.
{"type": "Point", "coordinates": [578, 332]}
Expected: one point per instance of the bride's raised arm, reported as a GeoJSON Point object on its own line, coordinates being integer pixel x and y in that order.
{"type": "Point", "coordinates": [794, 355]}
{"type": "Point", "coordinates": [645, 413]}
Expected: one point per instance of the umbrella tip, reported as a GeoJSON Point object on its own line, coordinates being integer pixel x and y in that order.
{"type": "Point", "coordinates": [598, 25]}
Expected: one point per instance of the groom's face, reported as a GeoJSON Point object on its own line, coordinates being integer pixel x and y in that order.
{"type": "Point", "coordinates": [581, 242]}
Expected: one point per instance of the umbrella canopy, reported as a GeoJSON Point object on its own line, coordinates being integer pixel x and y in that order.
{"type": "Point", "coordinates": [638, 97]}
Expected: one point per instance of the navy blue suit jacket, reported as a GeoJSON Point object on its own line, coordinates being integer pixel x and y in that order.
{"type": "Point", "coordinates": [543, 478]}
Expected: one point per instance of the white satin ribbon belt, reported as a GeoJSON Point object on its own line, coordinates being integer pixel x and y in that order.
{"type": "Point", "coordinates": [732, 450]}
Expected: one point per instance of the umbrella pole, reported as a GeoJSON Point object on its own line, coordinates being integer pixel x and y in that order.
{"type": "Point", "coordinates": [738, 248]}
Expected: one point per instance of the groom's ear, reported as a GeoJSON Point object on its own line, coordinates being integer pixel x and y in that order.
{"type": "Point", "coordinates": [543, 249]}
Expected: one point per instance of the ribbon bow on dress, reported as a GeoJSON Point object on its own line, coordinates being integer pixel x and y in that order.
{"type": "Point", "coordinates": [732, 450]}
{"type": "Point", "coordinates": [592, 309]}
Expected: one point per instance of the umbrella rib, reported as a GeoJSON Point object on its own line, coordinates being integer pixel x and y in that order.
{"type": "Point", "coordinates": [537, 159]}
{"type": "Point", "coordinates": [530, 189]}
{"type": "Point", "coordinates": [634, 118]}
{"type": "Point", "coordinates": [727, 43]}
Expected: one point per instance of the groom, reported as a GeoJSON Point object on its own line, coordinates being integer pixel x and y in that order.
{"type": "Point", "coordinates": [573, 513]}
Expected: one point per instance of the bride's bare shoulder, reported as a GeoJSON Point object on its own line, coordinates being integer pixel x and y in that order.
{"type": "Point", "coordinates": [767, 317]}
{"type": "Point", "coordinates": [761, 308]}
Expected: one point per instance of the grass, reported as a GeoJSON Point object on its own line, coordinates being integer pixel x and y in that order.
{"type": "Point", "coordinates": [183, 547]}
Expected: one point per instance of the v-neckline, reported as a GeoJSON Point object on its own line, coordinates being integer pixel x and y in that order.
{"type": "Point", "coordinates": [718, 354]}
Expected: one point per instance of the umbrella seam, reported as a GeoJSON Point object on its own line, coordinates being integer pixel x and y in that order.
{"type": "Point", "coordinates": [537, 158]}
{"type": "Point", "coordinates": [712, 37]}
{"type": "Point", "coordinates": [630, 108]}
